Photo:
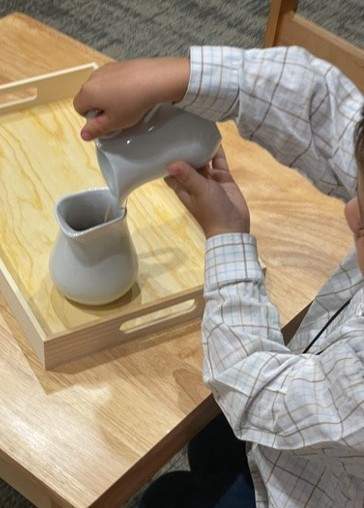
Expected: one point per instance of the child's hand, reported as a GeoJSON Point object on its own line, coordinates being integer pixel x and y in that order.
{"type": "Point", "coordinates": [123, 92]}
{"type": "Point", "coordinates": [211, 196]}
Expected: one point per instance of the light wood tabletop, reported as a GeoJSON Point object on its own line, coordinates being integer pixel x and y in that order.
{"type": "Point", "coordinates": [91, 432]}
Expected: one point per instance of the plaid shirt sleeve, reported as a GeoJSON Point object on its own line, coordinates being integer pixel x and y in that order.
{"type": "Point", "coordinates": [271, 396]}
{"type": "Point", "coordinates": [302, 109]}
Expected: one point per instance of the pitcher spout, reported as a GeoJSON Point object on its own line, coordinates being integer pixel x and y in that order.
{"type": "Point", "coordinates": [87, 213]}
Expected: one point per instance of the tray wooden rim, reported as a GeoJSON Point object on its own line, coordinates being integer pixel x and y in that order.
{"type": "Point", "coordinates": [51, 87]}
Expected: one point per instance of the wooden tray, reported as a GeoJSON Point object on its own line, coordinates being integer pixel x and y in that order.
{"type": "Point", "coordinates": [42, 158]}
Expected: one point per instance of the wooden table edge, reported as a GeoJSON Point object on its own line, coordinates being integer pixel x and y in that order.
{"type": "Point", "coordinates": [173, 442]}
{"type": "Point", "coordinates": [29, 485]}
{"type": "Point", "coordinates": [159, 455]}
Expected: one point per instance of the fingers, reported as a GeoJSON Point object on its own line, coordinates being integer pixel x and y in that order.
{"type": "Point", "coordinates": [220, 175]}
{"type": "Point", "coordinates": [97, 124]}
{"type": "Point", "coordinates": [204, 170]}
{"type": "Point", "coordinates": [91, 91]}
{"type": "Point", "coordinates": [188, 178]}
{"type": "Point", "coordinates": [171, 182]}
{"type": "Point", "coordinates": [179, 190]}
{"type": "Point", "coordinates": [96, 127]}
{"type": "Point", "coordinates": [219, 161]}
{"type": "Point", "coordinates": [82, 102]}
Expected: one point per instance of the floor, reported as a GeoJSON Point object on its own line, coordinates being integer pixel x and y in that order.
{"type": "Point", "coordinates": [129, 28]}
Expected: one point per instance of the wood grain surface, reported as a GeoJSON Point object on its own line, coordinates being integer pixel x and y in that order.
{"type": "Point", "coordinates": [42, 159]}
{"type": "Point", "coordinates": [91, 432]}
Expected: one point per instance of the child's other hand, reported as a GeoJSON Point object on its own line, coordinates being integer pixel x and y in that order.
{"type": "Point", "coordinates": [211, 196]}
{"type": "Point", "coordinates": [123, 92]}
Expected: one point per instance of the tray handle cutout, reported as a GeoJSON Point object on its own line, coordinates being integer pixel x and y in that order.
{"type": "Point", "coordinates": [42, 89]}
{"type": "Point", "coordinates": [148, 319]}
{"type": "Point", "coordinates": [162, 318]}
{"type": "Point", "coordinates": [159, 317]}
{"type": "Point", "coordinates": [17, 99]}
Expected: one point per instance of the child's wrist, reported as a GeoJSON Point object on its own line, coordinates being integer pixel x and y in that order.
{"type": "Point", "coordinates": [171, 79]}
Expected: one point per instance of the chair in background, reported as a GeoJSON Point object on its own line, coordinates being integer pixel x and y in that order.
{"type": "Point", "coordinates": [287, 28]}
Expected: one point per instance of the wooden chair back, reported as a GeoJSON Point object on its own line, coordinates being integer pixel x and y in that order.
{"type": "Point", "coordinates": [287, 28]}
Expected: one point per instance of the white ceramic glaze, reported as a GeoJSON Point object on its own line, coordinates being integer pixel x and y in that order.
{"type": "Point", "coordinates": [93, 262]}
{"type": "Point", "coordinates": [140, 154]}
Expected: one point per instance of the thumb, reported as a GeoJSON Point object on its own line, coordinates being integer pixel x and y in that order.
{"type": "Point", "coordinates": [95, 127]}
{"type": "Point", "coordinates": [187, 177]}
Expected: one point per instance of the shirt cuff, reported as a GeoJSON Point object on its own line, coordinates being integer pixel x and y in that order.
{"type": "Point", "coordinates": [213, 88]}
{"type": "Point", "coordinates": [231, 258]}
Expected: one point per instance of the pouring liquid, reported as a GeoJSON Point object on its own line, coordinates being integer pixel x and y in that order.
{"type": "Point", "coordinates": [112, 210]}
{"type": "Point", "coordinates": [108, 211]}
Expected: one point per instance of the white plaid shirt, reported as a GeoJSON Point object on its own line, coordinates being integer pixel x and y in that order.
{"type": "Point", "coordinates": [303, 413]}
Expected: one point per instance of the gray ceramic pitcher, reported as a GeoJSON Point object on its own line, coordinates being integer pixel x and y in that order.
{"type": "Point", "coordinates": [93, 262]}
{"type": "Point", "coordinates": [134, 156]}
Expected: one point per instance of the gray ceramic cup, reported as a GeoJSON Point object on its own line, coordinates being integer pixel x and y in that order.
{"type": "Point", "coordinates": [132, 157]}
{"type": "Point", "coordinates": [93, 262]}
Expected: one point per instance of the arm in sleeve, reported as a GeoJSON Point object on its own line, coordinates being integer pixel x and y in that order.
{"type": "Point", "coordinates": [270, 395]}
{"type": "Point", "coordinates": [300, 108]}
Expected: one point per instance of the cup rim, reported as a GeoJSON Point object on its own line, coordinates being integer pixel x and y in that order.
{"type": "Point", "coordinates": [73, 233]}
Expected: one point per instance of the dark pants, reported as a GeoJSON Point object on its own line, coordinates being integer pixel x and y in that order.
{"type": "Point", "coordinates": [219, 477]}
